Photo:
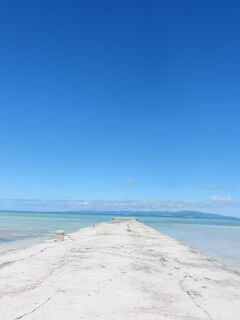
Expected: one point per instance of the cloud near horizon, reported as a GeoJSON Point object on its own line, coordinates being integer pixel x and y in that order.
{"type": "Point", "coordinates": [129, 182]}
{"type": "Point", "coordinates": [221, 199]}
{"type": "Point", "coordinates": [214, 202]}
{"type": "Point", "coordinates": [220, 187]}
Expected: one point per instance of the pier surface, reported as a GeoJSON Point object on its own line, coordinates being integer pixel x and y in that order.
{"type": "Point", "coordinates": [121, 269]}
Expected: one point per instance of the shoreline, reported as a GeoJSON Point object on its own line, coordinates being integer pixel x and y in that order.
{"type": "Point", "coordinates": [120, 269]}
{"type": "Point", "coordinates": [13, 246]}
{"type": "Point", "coordinates": [222, 244]}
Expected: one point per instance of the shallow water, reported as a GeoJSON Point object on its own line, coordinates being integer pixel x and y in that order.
{"type": "Point", "coordinates": [219, 238]}
{"type": "Point", "coordinates": [18, 229]}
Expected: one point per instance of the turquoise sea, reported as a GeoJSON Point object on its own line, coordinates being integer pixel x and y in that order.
{"type": "Point", "coordinates": [219, 238]}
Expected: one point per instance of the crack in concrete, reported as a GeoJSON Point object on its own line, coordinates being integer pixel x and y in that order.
{"type": "Point", "coordinates": [188, 292]}
{"type": "Point", "coordinates": [38, 307]}
{"type": "Point", "coordinates": [7, 263]}
{"type": "Point", "coordinates": [40, 281]}
{"type": "Point", "coordinates": [62, 263]}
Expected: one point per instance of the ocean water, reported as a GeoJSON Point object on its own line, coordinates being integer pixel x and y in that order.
{"type": "Point", "coordinates": [219, 238]}
{"type": "Point", "coordinates": [18, 229]}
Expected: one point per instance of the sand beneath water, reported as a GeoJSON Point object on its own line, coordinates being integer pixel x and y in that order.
{"type": "Point", "coordinates": [120, 269]}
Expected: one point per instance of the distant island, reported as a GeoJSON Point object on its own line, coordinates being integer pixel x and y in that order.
{"type": "Point", "coordinates": [167, 214]}
{"type": "Point", "coordinates": [173, 214]}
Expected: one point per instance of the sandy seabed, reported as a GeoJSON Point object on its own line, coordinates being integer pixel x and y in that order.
{"type": "Point", "coordinates": [121, 269]}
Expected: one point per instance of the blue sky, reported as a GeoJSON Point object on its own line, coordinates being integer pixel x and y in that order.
{"type": "Point", "coordinates": [120, 105]}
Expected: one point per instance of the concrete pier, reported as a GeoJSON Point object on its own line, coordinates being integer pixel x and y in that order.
{"type": "Point", "coordinates": [121, 269]}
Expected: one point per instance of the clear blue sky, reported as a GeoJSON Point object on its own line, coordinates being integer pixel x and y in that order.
{"type": "Point", "coordinates": [120, 105]}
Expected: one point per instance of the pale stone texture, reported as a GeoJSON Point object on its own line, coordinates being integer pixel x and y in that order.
{"type": "Point", "coordinates": [121, 269]}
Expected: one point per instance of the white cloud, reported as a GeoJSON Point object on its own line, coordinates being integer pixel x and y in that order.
{"type": "Point", "coordinates": [129, 182]}
{"type": "Point", "coordinates": [213, 187]}
{"type": "Point", "coordinates": [218, 187]}
{"type": "Point", "coordinates": [221, 199]}
{"type": "Point", "coordinates": [214, 202]}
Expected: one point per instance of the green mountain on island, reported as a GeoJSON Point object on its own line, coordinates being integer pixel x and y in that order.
{"type": "Point", "coordinates": [173, 214]}
{"type": "Point", "coordinates": [141, 213]}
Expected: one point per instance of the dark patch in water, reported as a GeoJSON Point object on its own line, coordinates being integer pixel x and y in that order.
{"type": "Point", "coordinates": [9, 239]}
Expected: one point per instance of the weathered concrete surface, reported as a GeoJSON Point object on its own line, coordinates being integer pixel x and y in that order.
{"type": "Point", "coordinates": [116, 270]}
